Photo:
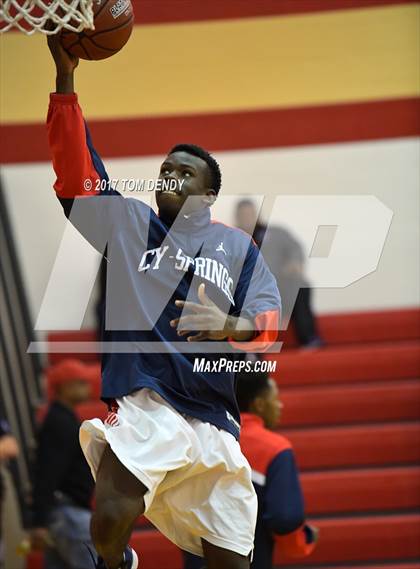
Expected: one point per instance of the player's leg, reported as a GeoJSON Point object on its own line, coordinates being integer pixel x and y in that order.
{"type": "Point", "coordinates": [213, 498]}
{"type": "Point", "coordinates": [119, 502]}
{"type": "Point", "coordinates": [218, 558]}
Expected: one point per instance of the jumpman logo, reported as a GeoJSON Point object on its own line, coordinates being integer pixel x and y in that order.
{"type": "Point", "coordinates": [221, 248]}
{"type": "Point", "coordinates": [112, 417]}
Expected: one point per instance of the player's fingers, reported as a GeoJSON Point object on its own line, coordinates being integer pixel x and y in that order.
{"type": "Point", "coordinates": [194, 322]}
{"type": "Point", "coordinates": [55, 46]}
{"type": "Point", "coordinates": [62, 57]}
{"type": "Point", "coordinates": [183, 332]}
{"type": "Point", "coordinates": [49, 25]}
{"type": "Point", "coordinates": [52, 39]}
{"type": "Point", "coordinates": [204, 299]}
{"type": "Point", "coordinates": [184, 328]}
{"type": "Point", "coordinates": [194, 306]}
{"type": "Point", "coordinates": [198, 337]}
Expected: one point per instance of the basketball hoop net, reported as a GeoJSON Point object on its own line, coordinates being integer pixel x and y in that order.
{"type": "Point", "coordinates": [30, 16]}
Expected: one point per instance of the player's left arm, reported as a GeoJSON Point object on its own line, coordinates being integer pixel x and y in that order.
{"type": "Point", "coordinates": [255, 323]}
{"type": "Point", "coordinates": [213, 322]}
{"type": "Point", "coordinates": [257, 299]}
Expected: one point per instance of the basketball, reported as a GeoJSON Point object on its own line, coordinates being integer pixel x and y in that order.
{"type": "Point", "coordinates": [113, 21]}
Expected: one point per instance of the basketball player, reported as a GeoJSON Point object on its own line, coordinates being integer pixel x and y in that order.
{"type": "Point", "coordinates": [169, 447]}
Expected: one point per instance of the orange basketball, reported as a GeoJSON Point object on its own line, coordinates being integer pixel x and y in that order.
{"type": "Point", "coordinates": [113, 21]}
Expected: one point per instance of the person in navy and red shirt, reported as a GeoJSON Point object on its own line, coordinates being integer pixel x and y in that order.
{"type": "Point", "coordinates": [181, 289]}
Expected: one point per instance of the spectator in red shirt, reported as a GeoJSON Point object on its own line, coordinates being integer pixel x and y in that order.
{"type": "Point", "coordinates": [63, 484]}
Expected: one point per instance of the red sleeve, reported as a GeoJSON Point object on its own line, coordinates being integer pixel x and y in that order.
{"type": "Point", "coordinates": [298, 543]}
{"type": "Point", "coordinates": [267, 326]}
{"type": "Point", "coordinates": [72, 160]}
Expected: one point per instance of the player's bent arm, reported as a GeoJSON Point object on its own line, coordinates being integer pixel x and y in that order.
{"type": "Point", "coordinates": [256, 334]}
{"type": "Point", "coordinates": [218, 325]}
{"type": "Point", "coordinates": [239, 329]}
{"type": "Point", "coordinates": [257, 301]}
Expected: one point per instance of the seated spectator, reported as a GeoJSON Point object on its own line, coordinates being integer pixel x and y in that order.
{"type": "Point", "coordinates": [285, 258]}
{"type": "Point", "coordinates": [63, 484]}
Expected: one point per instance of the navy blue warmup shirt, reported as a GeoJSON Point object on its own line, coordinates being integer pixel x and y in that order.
{"type": "Point", "coordinates": [150, 265]}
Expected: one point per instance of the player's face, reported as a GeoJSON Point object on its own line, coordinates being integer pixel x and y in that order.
{"type": "Point", "coordinates": [192, 178]}
{"type": "Point", "coordinates": [272, 406]}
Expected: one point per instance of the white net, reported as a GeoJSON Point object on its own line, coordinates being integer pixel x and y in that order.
{"type": "Point", "coordinates": [30, 16]}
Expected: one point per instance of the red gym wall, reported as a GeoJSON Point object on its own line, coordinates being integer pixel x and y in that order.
{"type": "Point", "coordinates": [231, 75]}
{"type": "Point", "coordinates": [295, 97]}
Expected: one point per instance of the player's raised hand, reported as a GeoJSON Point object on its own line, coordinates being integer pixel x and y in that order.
{"type": "Point", "coordinates": [65, 62]}
{"type": "Point", "coordinates": [207, 317]}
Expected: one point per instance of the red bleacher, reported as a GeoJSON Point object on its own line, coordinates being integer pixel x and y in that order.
{"type": "Point", "coordinates": [356, 490]}
{"type": "Point", "coordinates": [352, 414]}
{"type": "Point", "coordinates": [359, 445]}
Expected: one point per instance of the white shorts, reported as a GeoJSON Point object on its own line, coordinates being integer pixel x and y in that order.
{"type": "Point", "coordinates": [199, 483]}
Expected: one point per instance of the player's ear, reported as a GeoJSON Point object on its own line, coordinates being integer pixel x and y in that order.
{"type": "Point", "coordinates": [257, 406]}
{"type": "Point", "coordinates": [210, 197]}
